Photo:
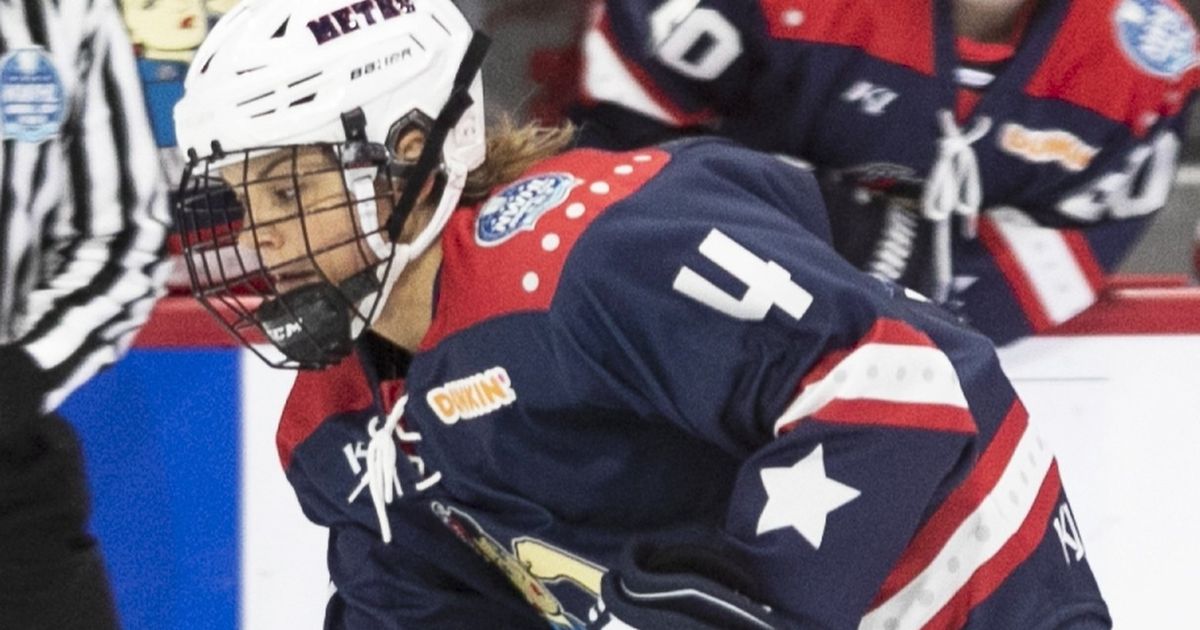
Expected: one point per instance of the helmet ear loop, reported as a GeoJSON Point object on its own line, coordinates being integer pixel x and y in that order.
{"type": "Point", "coordinates": [430, 160]}
{"type": "Point", "coordinates": [429, 163]}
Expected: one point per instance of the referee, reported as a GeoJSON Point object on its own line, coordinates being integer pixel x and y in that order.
{"type": "Point", "coordinates": [82, 231]}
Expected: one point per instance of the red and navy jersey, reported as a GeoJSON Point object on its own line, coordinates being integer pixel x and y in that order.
{"type": "Point", "coordinates": [1082, 112]}
{"type": "Point", "coordinates": [633, 344]}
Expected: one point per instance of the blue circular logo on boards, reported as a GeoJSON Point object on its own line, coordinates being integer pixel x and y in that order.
{"type": "Point", "coordinates": [518, 207]}
{"type": "Point", "coordinates": [1157, 36]}
{"type": "Point", "coordinates": [32, 101]}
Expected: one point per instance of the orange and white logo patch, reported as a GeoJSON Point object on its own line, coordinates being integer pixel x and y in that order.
{"type": "Point", "coordinates": [1061, 147]}
{"type": "Point", "coordinates": [473, 396]}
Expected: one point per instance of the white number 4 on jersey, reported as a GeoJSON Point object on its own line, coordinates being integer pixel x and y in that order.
{"type": "Point", "coordinates": [767, 284]}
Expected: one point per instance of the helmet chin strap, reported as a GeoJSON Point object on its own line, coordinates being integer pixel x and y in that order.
{"type": "Point", "coordinates": [432, 156]}
{"type": "Point", "coordinates": [362, 187]}
{"type": "Point", "coordinates": [404, 253]}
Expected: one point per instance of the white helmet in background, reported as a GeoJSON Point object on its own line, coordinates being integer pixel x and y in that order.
{"type": "Point", "coordinates": [349, 77]}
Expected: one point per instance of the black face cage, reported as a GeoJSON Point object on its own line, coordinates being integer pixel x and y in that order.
{"type": "Point", "coordinates": [277, 273]}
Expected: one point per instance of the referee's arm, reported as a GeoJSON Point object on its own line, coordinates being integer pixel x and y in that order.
{"type": "Point", "coordinates": [110, 234]}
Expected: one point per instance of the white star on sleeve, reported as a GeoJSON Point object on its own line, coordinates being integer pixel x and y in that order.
{"type": "Point", "coordinates": [802, 496]}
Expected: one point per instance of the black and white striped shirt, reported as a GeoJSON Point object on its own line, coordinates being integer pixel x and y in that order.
{"type": "Point", "coordinates": [83, 212]}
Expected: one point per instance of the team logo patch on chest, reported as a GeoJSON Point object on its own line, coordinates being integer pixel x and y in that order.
{"type": "Point", "coordinates": [1157, 36]}
{"type": "Point", "coordinates": [32, 98]}
{"type": "Point", "coordinates": [518, 207]}
{"type": "Point", "coordinates": [471, 397]}
{"type": "Point", "coordinates": [531, 565]}
{"type": "Point", "coordinates": [1041, 147]}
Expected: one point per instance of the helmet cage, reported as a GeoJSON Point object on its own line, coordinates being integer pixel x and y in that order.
{"type": "Point", "coordinates": [257, 296]}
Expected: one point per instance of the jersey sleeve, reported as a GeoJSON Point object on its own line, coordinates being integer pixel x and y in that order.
{"type": "Point", "coordinates": [1037, 266]}
{"type": "Point", "coordinates": [680, 64]}
{"type": "Point", "coordinates": [1024, 279]}
{"type": "Point", "coordinates": [857, 411]}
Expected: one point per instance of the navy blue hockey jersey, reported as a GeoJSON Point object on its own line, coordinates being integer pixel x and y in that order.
{"type": "Point", "coordinates": [636, 344]}
{"type": "Point", "coordinates": [1079, 128]}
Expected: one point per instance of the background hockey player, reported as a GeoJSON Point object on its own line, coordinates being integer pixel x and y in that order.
{"type": "Point", "coordinates": [591, 389]}
{"type": "Point", "coordinates": [1002, 154]}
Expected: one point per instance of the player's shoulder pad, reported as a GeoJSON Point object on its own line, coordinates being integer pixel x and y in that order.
{"type": "Point", "coordinates": [1132, 61]}
{"type": "Point", "coordinates": [315, 397]}
{"type": "Point", "coordinates": [710, 184]}
{"type": "Point", "coordinates": [507, 254]}
{"type": "Point", "coordinates": [902, 37]}
{"type": "Point", "coordinates": [742, 179]}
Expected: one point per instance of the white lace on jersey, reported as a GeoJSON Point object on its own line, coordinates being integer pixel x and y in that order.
{"type": "Point", "coordinates": [953, 189]}
{"type": "Point", "coordinates": [381, 476]}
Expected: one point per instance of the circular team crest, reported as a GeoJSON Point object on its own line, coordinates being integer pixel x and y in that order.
{"type": "Point", "coordinates": [32, 101]}
{"type": "Point", "coordinates": [518, 207]}
{"type": "Point", "coordinates": [1157, 36]}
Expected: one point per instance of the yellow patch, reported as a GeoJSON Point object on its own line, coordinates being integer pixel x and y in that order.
{"type": "Point", "coordinates": [473, 396]}
{"type": "Point", "coordinates": [1061, 147]}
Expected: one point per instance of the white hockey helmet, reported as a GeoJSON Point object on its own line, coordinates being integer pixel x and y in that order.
{"type": "Point", "coordinates": [348, 77]}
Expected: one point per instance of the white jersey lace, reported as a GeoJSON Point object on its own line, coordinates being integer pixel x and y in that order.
{"type": "Point", "coordinates": [953, 188]}
{"type": "Point", "coordinates": [381, 476]}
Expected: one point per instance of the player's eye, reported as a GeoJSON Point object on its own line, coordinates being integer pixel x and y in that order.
{"type": "Point", "coordinates": [284, 194]}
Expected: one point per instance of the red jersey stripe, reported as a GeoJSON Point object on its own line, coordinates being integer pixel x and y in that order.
{"type": "Point", "coordinates": [992, 574]}
{"type": "Point", "coordinates": [1010, 267]}
{"type": "Point", "coordinates": [892, 414]}
{"type": "Point", "coordinates": [1086, 258]}
{"type": "Point", "coordinates": [961, 503]}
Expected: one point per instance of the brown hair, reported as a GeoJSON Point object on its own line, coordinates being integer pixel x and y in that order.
{"type": "Point", "coordinates": [511, 149]}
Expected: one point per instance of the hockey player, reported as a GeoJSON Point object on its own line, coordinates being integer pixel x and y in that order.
{"type": "Point", "coordinates": [1003, 154]}
{"type": "Point", "coordinates": [591, 389]}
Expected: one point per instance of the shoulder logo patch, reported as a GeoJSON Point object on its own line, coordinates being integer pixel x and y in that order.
{"type": "Point", "coordinates": [1157, 36]}
{"type": "Point", "coordinates": [518, 207]}
{"type": "Point", "coordinates": [472, 397]}
{"type": "Point", "coordinates": [32, 98]}
{"type": "Point", "coordinates": [1041, 147]}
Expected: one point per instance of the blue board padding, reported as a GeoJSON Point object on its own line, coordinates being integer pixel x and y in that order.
{"type": "Point", "coordinates": [162, 83]}
{"type": "Point", "coordinates": [161, 437]}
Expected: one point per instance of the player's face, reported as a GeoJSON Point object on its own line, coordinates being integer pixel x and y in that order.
{"type": "Point", "coordinates": [299, 217]}
{"type": "Point", "coordinates": [166, 25]}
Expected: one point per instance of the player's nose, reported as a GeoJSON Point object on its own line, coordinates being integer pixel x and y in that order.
{"type": "Point", "coordinates": [264, 238]}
